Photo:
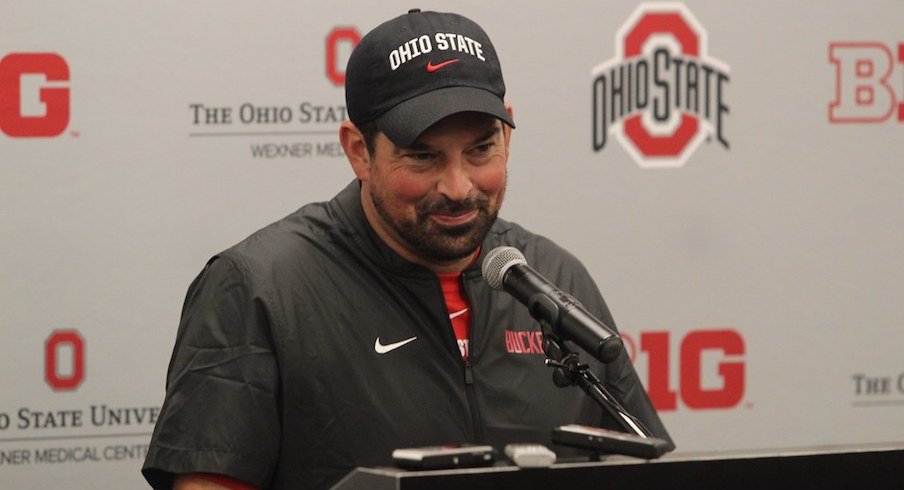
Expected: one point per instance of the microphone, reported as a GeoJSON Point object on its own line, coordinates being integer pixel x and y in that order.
{"type": "Point", "coordinates": [506, 268]}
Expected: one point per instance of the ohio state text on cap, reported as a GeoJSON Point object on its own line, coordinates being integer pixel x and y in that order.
{"type": "Point", "coordinates": [412, 71]}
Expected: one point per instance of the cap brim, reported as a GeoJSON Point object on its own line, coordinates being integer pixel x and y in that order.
{"type": "Point", "coordinates": [405, 122]}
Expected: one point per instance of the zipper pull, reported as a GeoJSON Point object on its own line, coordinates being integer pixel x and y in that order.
{"type": "Point", "coordinates": [469, 377]}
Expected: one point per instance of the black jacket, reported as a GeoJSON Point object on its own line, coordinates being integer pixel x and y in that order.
{"type": "Point", "coordinates": [275, 378]}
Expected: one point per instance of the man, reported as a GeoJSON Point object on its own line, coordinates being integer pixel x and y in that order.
{"type": "Point", "coordinates": [357, 326]}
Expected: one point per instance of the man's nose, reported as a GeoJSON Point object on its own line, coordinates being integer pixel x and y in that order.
{"type": "Point", "coordinates": [455, 181]}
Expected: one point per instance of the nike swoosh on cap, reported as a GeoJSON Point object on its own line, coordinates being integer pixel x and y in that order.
{"type": "Point", "coordinates": [383, 349]}
{"type": "Point", "coordinates": [432, 68]}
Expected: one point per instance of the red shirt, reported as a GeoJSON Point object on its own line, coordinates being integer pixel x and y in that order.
{"type": "Point", "coordinates": [459, 310]}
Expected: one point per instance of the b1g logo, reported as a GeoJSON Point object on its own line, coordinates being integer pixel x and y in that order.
{"type": "Point", "coordinates": [64, 360]}
{"type": "Point", "coordinates": [711, 369]}
{"type": "Point", "coordinates": [862, 91]}
{"type": "Point", "coordinates": [662, 95]}
{"type": "Point", "coordinates": [34, 95]}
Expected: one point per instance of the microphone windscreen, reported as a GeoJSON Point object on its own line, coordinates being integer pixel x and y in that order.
{"type": "Point", "coordinates": [497, 263]}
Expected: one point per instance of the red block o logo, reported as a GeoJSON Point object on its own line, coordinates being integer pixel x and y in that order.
{"type": "Point", "coordinates": [652, 24]}
{"type": "Point", "coordinates": [57, 341]}
{"type": "Point", "coordinates": [336, 36]}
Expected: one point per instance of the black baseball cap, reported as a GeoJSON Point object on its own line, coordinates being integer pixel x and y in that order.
{"type": "Point", "coordinates": [412, 71]}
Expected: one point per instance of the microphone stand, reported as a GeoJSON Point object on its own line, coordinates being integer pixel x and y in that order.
{"type": "Point", "coordinates": [569, 371]}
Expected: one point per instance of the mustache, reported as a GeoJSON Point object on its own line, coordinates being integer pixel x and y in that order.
{"type": "Point", "coordinates": [444, 205]}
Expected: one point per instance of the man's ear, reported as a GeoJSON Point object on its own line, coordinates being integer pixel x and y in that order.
{"type": "Point", "coordinates": [355, 149]}
{"type": "Point", "coordinates": [507, 130]}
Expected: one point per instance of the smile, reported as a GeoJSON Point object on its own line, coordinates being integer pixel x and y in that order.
{"type": "Point", "coordinates": [454, 219]}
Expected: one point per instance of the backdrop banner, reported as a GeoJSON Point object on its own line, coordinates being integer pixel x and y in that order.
{"type": "Point", "coordinates": [725, 170]}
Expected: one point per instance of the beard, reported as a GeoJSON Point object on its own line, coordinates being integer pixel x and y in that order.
{"type": "Point", "coordinates": [433, 241]}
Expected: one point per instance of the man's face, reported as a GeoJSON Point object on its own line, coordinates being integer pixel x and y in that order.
{"type": "Point", "coordinates": [437, 199]}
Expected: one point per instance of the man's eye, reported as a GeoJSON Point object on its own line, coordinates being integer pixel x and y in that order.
{"type": "Point", "coordinates": [484, 149]}
{"type": "Point", "coordinates": [421, 156]}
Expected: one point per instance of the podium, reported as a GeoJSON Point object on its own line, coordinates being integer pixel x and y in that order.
{"type": "Point", "coordinates": [849, 467]}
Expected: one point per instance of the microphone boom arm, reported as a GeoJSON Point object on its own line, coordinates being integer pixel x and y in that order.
{"type": "Point", "coordinates": [570, 371]}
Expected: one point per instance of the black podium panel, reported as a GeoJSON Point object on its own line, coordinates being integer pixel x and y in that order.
{"type": "Point", "coordinates": [832, 468]}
